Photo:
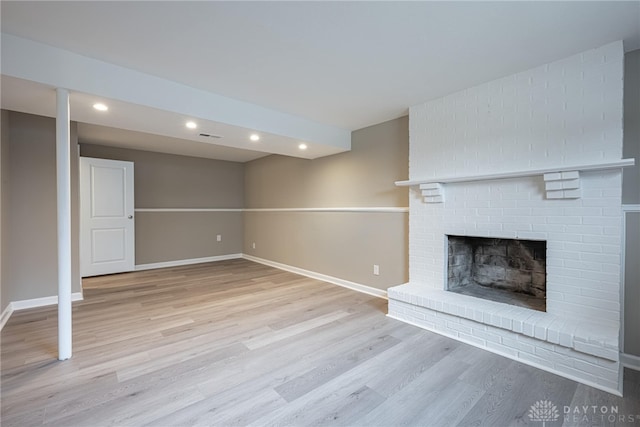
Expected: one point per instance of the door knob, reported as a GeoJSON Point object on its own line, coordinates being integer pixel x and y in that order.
{"type": "Point", "coordinates": [130, 216]}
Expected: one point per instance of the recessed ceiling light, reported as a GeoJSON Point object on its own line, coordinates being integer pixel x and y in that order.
{"type": "Point", "coordinates": [100, 106]}
{"type": "Point", "coordinates": [191, 125]}
{"type": "Point", "coordinates": [254, 137]}
{"type": "Point", "coordinates": [302, 146]}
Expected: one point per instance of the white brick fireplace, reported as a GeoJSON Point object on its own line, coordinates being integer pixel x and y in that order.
{"type": "Point", "coordinates": [537, 156]}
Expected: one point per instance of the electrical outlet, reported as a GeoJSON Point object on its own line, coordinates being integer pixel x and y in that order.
{"type": "Point", "coordinates": [253, 245]}
{"type": "Point", "coordinates": [219, 237]}
{"type": "Point", "coordinates": [376, 270]}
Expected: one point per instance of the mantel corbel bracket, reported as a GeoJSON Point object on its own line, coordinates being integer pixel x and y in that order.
{"type": "Point", "coordinates": [432, 192]}
{"type": "Point", "coordinates": [562, 185]}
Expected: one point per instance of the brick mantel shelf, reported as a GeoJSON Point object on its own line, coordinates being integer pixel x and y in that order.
{"type": "Point", "coordinates": [562, 182]}
{"type": "Point", "coordinates": [520, 173]}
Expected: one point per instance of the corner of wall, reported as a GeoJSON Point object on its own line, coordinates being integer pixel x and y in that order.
{"type": "Point", "coordinates": [5, 296]}
{"type": "Point", "coordinates": [76, 279]}
{"type": "Point", "coordinates": [339, 216]}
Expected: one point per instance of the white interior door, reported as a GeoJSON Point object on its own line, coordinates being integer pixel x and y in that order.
{"type": "Point", "coordinates": [107, 230]}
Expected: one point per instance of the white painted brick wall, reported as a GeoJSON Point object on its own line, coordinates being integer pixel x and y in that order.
{"type": "Point", "coordinates": [561, 114]}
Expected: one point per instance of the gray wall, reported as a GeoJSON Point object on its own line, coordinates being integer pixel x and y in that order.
{"type": "Point", "coordinates": [4, 196]}
{"type": "Point", "coordinates": [345, 245]}
{"type": "Point", "coordinates": [29, 228]}
{"type": "Point", "coordinates": [171, 181]}
{"type": "Point", "coordinates": [362, 177]}
{"type": "Point", "coordinates": [631, 195]}
{"type": "Point", "coordinates": [632, 285]}
{"type": "Point", "coordinates": [631, 146]}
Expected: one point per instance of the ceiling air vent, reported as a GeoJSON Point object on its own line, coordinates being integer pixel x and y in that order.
{"type": "Point", "coordinates": [208, 135]}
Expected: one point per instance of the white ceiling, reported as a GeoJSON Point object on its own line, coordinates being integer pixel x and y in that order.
{"type": "Point", "coordinates": [344, 64]}
{"type": "Point", "coordinates": [115, 137]}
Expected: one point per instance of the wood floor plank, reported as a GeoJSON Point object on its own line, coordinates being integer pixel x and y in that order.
{"type": "Point", "coordinates": [273, 365]}
{"type": "Point", "coordinates": [513, 393]}
{"type": "Point", "coordinates": [300, 385]}
{"type": "Point", "coordinates": [449, 407]}
{"type": "Point", "coordinates": [415, 356]}
{"type": "Point", "coordinates": [235, 407]}
{"type": "Point", "coordinates": [319, 404]}
{"type": "Point", "coordinates": [239, 343]}
{"type": "Point", "coordinates": [428, 385]}
{"type": "Point", "coordinates": [351, 409]}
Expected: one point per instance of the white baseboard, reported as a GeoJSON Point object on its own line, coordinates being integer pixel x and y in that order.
{"type": "Point", "coordinates": [42, 302]}
{"type": "Point", "coordinates": [630, 361]}
{"type": "Point", "coordinates": [6, 314]}
{"type": "Point", "coordinates": [152, 266]}
{"type": "Point", "coordinates": [32, 303]}
{"type": "Point", "coordinates": [312, 274]}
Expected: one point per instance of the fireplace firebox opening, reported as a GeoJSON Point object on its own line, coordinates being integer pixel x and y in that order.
{"type": "Point", "coordinates": [511, 271]}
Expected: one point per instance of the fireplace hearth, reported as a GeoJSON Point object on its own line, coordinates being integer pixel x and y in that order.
{"type": "Point", "coordinates": [510, 271]}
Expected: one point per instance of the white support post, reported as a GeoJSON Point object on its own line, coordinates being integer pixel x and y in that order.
{"type": "Point", "coordinates": [63, 171]}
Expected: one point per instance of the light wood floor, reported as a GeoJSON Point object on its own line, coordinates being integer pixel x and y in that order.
{"type": "Point", "coordinates": [238, 343]}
